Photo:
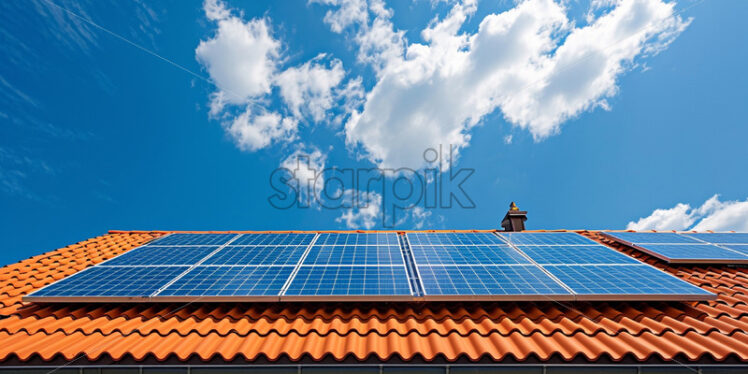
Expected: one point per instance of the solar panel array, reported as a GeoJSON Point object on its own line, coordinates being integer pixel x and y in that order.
{"type": "Point", "coordinates": [373, 266]}
{"type": "Point", "coordinates": [728, 248]}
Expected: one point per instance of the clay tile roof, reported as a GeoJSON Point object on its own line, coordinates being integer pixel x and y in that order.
{"type": "Point", "coordinates": [715, 331]}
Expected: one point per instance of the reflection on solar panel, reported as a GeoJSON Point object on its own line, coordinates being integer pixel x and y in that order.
{"type": "Point", "coordinates": [253, 255]}
{"type": "Point", "coordinates": [720, 238]}
{"type": "Point", "coordinates": [470, 238]}
{"type": "Point", "coordinates": [575, 254]}
{"type": "Point", "coordinates": [354, 255]}
{"type": "Point", "coordinates": [194, 239]}
{"type": "Point", "coordinates": [217, 281]}
{"type": "Point", "coordinates": [358, 239]}
{"type": "Point", "coordinates": [683, 248]}
{"type": "Point", "coordinates": [624, 282]}
{"type": "Point", "coordinates": [546, 238]}
{"type": "Point", "coordinates": [274, 239]}
{"type": "Point", "coordinates": [467, 255]}
{"type": "Point", "coordinates": [366, 281]}
{"type": "Point", "coordinates": [496, 281]}
{"type": "Point", "coordinates": [115, 281]}
{"type": "Point", "coordinates": [161, 255]}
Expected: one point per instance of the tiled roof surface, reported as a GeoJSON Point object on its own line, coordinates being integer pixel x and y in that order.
{"type": "Point", "coordinates": [541, 331]}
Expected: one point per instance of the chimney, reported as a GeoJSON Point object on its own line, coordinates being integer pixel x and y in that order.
{"type": "Point", "coordinates": [514, 220]}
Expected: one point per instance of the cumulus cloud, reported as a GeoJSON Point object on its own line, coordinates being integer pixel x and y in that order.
{"type": "Point", "coordinates": [309, 88]}
{"type": "Point", "coordinates": [713, 215]}
{"type": "Point", "coordinates": [531, 62]}
{"type": "Point", "coordinates": [245, 63]}
{"type": "Point", "coordinates": [241, 57]}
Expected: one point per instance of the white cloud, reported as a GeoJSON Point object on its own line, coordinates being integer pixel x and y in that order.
{"type": "Point", "coordinates": [420, 217]}
{"type": "Point", "coordinates": [365, 211]}
{"type": "Point", "coordinates": [244, 62]}
{"type": "Point", "coordinates": [713, 215]}
{"type": "Point", "coordinates": [309, 88]}
{"type": "Point", "coordinates": [530, 62]}
{"type": "Point", "coordinates": [252, 131]}
{"type": "Point", "coordinates": [241, 58]}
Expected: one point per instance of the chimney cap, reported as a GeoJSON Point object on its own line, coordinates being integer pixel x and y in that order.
{"type": "Point", "coordinates": [514, 220]}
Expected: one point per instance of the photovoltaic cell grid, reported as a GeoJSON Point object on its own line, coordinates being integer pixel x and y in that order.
{"type": "Point", "coordinates": [502, 280]}
{"type": "Point", "coordinates": [194, 239]}
{"type": "Point", "coordinates": [389, 238]}
{"type": "Point", "coordinates": [687, 248]}
{"type": "Point", "coordinates": [117, 281]}
{"type": "Point", "coordinates": [257, 255]}
{"type": "Point", "coordinates": [623, 280]}
{"type": "Point", "coordinates": [472, 238]}
{"type": "Point", "coordinates": [449, 266]}
{"type": "Point", "coordinates": [161, 255]}
{"type": "Point", "coordinates": [546, 238]}
{"type": "Point", "coordinates": [466, 255]}
{"type": "Point", "coordinates": [350, 281]}
{"type": "Point", "coordinates": [219, 281]}
{"type": "Point", "coordinates": [274, 239]}
{"type": "Point", "coordinates": [354, 255]}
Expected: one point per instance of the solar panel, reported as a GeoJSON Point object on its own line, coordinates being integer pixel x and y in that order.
{"type": "Point", "coordinates": [114, 281]}
{"type": "Point", "coordinates": [466, 255]}
{"type": "Point", "coordinates": [223, 281]}
{"type": "Point", "coordinates": [257, 255]}
{"type": "Point", "coordinates": [653, 238]}
{"type": "Point", "coordinates": [161, 255]}
{"type": "Point", "coordinates": [720, 238]}
{"type": "Point", "coordinates": [742, 248]}
{"type": "Point", "coordinates": [467, 238]}
{"type": "Point", "coordinates": [274, 239]}
{"type": "Point", "coordinates": [510, 282]}
{"type": "Point", "coordinates": [389, 238]}
{"type": "Point", "coordinates": [354, 255]}
{"type": "Point", "coordinates": [680, 248]}
{"type": "Point", "coordinates": [694, 252]}
{"type": "Point", "coordinates": [575, 254]}
{"type": "Point", "coordinates": [347, 281]}
{"type": "Point", "coordinates": [619, 282]}
{"type": "Point", "coordinates": [372, 266]}
{"type": "Point", "coordinates": [194, 239]}
{"type": "Point", "coordinates": [546, 238]}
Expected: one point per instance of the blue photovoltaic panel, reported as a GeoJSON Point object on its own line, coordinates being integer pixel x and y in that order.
{"type": "Point", "coordinates": [256, 255]}
{"type": "Point", "coordinates": [466, 255]}
{"type": "Point", "coordinates": [694, 252]}
{"type": "Point", "coordinates": [547, 238]}
{"type": "Point", "coordinates": [458, 238]}
{"type": "Point", "coordinates": [498, 280]}
{"type": "Point", "coordinates": [629, 280]}
{"type": "Point", "coordinates": [274, 239]}
{"type": "Point", "coordinates": [161, 255]}
{"type": "Point", "coordinates": [350, 281]}
{"type": "Point", "coordinates": [653, 238]}
{"type": "Point", "coordinates": [576, 254]}
{"type": "Point", "coordinates": [230, 281]}
{"type": "Point", "coordinates": [721, 238]}
{"type": "Point", "coordinates": [140, 281]}
{"type": "Point", "coordinates": [354, 255]}
{"type": "Point", "coordinates": [194, 239]}
{"type": "Point", "coordinates": [742, 248]}
{"type": "Point", "coordinates": [384, 238]}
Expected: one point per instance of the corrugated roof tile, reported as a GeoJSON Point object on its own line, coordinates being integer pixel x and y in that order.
{"type": "Point", "coordinates": [452, 331]}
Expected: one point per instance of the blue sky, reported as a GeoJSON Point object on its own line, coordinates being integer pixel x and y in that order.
{"type": "Point", "coordinates": [583, 121]}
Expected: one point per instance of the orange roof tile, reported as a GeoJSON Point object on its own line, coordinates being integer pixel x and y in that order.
{"type": "Point", "coordinates": [539, 331]}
